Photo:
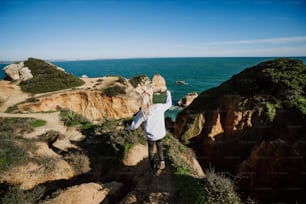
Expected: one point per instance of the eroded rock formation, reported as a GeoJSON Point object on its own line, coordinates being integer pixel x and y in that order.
{"type": "Point", "coordinates": [187, 100]}
{"type": "Point", "coordinates": [253, 127]}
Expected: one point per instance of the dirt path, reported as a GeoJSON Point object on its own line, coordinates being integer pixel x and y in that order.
{"type": "Point", "coordinates": [10, 94]}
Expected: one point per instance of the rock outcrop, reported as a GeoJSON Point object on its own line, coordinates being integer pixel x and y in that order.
{"type": "Point", "coordinates": [187, 100]}
{"type": "Point", "coordinates": [91, 104]}
{"type": "Point", "coordinates": [84, 193]}
{"type": "Point", "coordinates": [258, 113]}
{"type": "Point", "coordinates": [158, 83]}
{"type": "Point", "coordinates": [17, 72]}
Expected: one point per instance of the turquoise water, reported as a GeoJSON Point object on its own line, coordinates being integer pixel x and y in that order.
{"type": "Point", "coordinates": [199, 73]}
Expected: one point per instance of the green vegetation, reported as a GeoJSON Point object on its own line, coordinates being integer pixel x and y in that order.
{"type": "Point", "coordinates": [122, 140]}
{"type": "Point", "coordinates": [12, 108]}
{"type": "Point", "coordinates": [47, 78]}
{"type": "Point", "coordinates": [215, 188]}
{"type": "Point", "coordinates": [271, 111]}
{"type": "Point", "coordinates": [71, 118]}
{"type": "Point", "coordinates": [11, 152]}
{"type": "Point", "coordinates": [121, 80]}
{"type": "Point", "coordinates": [135, 81]}
{"type": "Point", "coordinates": [17, 196]}
{"type": "Point", "coordinates": [173, 149]}
{"type": "Point", "coordinates": [282, 80]}
{"type": "Point", "coordinates": [192, 128]}
{"type": "Point", "coordinates": [219, 189]}
{"type": "Point", "coordinates": [114, 90]}
{"type": "Point", "coordinates": [38, 123]}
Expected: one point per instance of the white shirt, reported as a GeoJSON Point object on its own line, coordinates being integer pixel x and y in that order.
{"type": "Point", "coordinates": [155, 121]}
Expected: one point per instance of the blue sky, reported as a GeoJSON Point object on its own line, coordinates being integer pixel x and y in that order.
{"type": "Point", "coordinates": [79, 29]}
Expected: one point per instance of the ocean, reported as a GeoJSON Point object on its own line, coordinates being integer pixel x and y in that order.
{"type": "Point", "coordinates": [199, 73]}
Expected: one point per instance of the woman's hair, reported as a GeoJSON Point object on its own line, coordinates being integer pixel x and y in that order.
{"type": "Point", "coordinates": [146, 102]}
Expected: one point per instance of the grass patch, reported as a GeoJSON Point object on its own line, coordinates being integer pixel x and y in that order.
{"type": "Point", "coordinates": [38, 123]}
{"type": "Point", "coordinates": [13, 148]}
{"type": "Point", "coordinates": [17, 196]}
{"type": "Point", "coordinates": [47, 78]}
{"type": "Point", "coordinates": [71, 118]}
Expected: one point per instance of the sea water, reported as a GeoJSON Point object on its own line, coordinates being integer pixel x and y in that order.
{"type": "Point", "coordinates": [199, 74]}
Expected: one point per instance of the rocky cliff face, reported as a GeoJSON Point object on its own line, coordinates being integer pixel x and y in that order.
{"type": "Point", "coordinates": [90, 103]}
{"type": "Point", "coordinates": [253, 126]}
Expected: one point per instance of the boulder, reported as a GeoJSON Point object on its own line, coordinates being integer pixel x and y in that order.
{"type": "Point", "coordinates": [187, 100]}
{"type": "Point", "coordinates": [18, 71]}
{"type": "Point", "coordinates": [136, 154]}
{"type": "Point", "coordinates": [25, 74]}
{"type": "Point", "coordinates": [85, 193]}
{"type": "Point", "coordinates": [159, 83]}
{"type": "Point", "coordinates": [12, 71]}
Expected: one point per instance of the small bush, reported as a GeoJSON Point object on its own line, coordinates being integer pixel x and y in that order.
{"type": "Point", "coordinates": [135, 81]}
{"type": "Point", "coordinates": [71, 118]}
{"type": "Point", "coordinates": [114, 90]}
{"type": "Point", "coordinates": [10, 153]}
{"type": "Point", "coordinates": [12, 108]}
{"type": "Point", "coordinates": [17, 196]}
{"type": "Point", "coordinates": [219, 189]}
{"type": "Point", "coordinates": [13, 148]}
{"type": "Point", "coordinates": [121, 80]}
{"type": "Point", "coordinates": [80, 162]}
{"type": "Point", "coordinates": [32, 100]}
{"type": "Point", "coordinates": [270, 111]}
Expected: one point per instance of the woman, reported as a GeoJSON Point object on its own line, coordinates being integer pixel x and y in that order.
{"type": "Point", "coordinates": [153, 116]}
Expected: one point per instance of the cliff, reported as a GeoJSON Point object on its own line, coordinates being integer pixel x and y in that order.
{"type": "Point", "coordinates": [84, 154]}
{"type": "Point", "coordinates": [254, 127]}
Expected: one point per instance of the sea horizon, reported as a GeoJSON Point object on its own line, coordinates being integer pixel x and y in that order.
{"type": "Point", "coordinates": [127, 58]}
{"type": "Point", "coordinates": [199, 73]}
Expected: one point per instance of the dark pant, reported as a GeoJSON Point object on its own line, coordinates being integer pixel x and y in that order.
{"type": "Point", "coordinates": [159, 146]}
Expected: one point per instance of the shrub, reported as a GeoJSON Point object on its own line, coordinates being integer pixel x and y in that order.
{"type": "Point", "coordinates": [47, 78]}
{"type": "Point", "coordinates": [120, 139]}
{"type": "Point", "coordinates": [10, 153]}
{"type": "Point", "coordinates": [114, 90]}
{"type": "Point", "coordinates": [13, 148]}
{"type": "Point", "coordinates": [219, 189]}
{"type": "Point", "coordinates": [80, 162]}
{"type": "Point", "coordinates": [17, 196]}
{"type": "Point", "coordinates": [12, 108]}
{"type": "Point", "coordinates": [71, 118]}
{"type": "Point", "coordinates": [215, 188]}
{"type": "Point", "coordinates": [121, 80]}
{"type": "Point", "coordinates": [270, 111]}
{"type": "Point", "coordinates": [135, 81]}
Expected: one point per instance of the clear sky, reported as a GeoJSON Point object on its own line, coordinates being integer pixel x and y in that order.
{"type": "Point", "coordinates": [80, 29]}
